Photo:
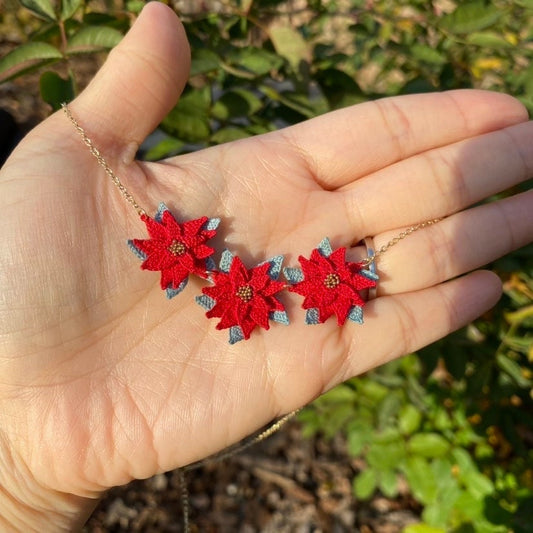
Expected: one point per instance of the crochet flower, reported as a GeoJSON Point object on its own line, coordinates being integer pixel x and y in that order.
{"type": "Point", "coordinates": [331, 285]}
{"type": "Point", "coordinates": [244, 298]}
{"type": "Point", "coordinates": [175, 249]}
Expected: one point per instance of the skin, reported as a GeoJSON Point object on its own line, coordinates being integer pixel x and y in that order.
{"type": "Point", "coordinates": [103, 380]}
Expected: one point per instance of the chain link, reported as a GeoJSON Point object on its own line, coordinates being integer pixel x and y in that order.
{"type": "Point", "coordinates": [367, 261]}
{"type": "Point", "coordinates": [103, 163]}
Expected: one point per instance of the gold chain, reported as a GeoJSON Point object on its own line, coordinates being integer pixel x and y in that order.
{"type": "Point", "coordinates": [367, 261]}
{"type": "Point", "coordinates": [103, 163]}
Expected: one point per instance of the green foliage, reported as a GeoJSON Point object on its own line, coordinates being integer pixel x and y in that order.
{"type": "Point", "coordinates": [451, 422]}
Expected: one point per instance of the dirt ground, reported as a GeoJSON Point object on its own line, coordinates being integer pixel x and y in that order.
{"type": "Point", "coordinates": [286, 484]}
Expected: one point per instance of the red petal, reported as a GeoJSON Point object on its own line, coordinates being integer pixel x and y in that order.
{"type": "Point", "coordinates": [275, 304]}
{"type": "Point", "coordinates": [338, 257]}
{"type": "Point", "coordinates": [172, 226]}
{"type": "Point", "coordinates": [228, 317]}
{"type": "Point", "coordinates": [259, 312]}
{"type": "Point", "coordinates": [273, 287]}
{"type": "Point", "coordinates": [304, 287]}
{"type": "Point", "coordinates": [247, 326]}
{"type": "Point", "coordinates": [151, 247]}
{"type": "Point", "coordinates": [172, 277]}
{"type": "Point", "coordinates": [309, 268]}
{"type": "Point", "coordinates": [159, 261]}
{"type": "Point", "coordinates": [238, 272]}
{"type": "Point", "coordinates": [156, 230]}
{"type": "Point", "coordinates": [221, 291]}
{"type": "Point", "coordinates": [202, 251]}
{"type": "Point", "coordinates": [361, 282]}
{"type": "Point", "coordinates": [346, 291]}
{"type": "Point", "coordinates": [192, 227]}
{"type": "Point", "coordinates": [187, 261]}
{"type": "Point", "coordinates": [324, 313]}
{"type": "Point", "coordinates": [342, 308]}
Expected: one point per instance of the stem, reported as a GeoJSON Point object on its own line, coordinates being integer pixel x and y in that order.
{"type": "Point", "coordinates": [63, 34]}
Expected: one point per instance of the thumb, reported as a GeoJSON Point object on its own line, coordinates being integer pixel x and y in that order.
{"type": "Point", "coordinates": [140, 81]}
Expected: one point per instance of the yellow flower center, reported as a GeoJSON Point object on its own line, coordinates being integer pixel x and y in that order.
{"type": "Point", "coordinates": [177, 248]}
{"type": "Point", "coordinates": [332, 280]}
{"type": "Point", "coordinates": [245, 293]}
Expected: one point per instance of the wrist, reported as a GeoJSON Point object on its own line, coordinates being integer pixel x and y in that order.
{"type": "Point", "coordinates": [26, 505]}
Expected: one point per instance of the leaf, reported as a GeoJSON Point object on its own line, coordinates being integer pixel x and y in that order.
{"type": "Point", "coordinates": [422, 528]}
{"type": "Point", "coordinates": [42, 8]}
{"type": "Point", "coordinates": [388, 483]}
{"type": "Point", "coordinates": [225, 135]}
{"type": "Point", "coordinates": [290, 44]}
{"type": "Point", "coordinates": [340, 89]}
{"type": "Point", "coordinates": [421, 481]}
{"type": "Point", "coordinates": [478, 485]}
{"type": "Point", "coordinates": [27, 57]}
{"type": "Point", "coordinates": [464, 461]}
{"type": "Point", "coordinates": [514, 370]}
{"type": "Point", "coordinates": [471, 16]}
{"type": "Point", "coordinates": [255, 61]}
{"type": "Point", "coordinates": [302, 104]}
{"type": "Point", "coordinates": [428, 445]}
{"type": "Point", "coordinates": [409, 419]}
{"type": "Point", "coordinates": [69, 7]}
{"type": "Point", "coordinates": [164, 148]}
{"type": "Point", "coordinates": [236, 103]}
{"type": "Point", "coordinates": [386, 456]}
{"type": "Point", "coordinates": [372, 390]}
{"type": "Point", "coordinates": [339, 394]}
{"type": "Point", "coordinates": [55, 90]}
{"type": "Point", "coordinates": [93, 39]}
{"type": "Point", "coordinates": [427, 54]}
{"type": "Point", "coordinates": [135, 6]}
{"type": "Point", "coordinates": [488, 40]}
{"type": "Point", "coordinates": [203, 61]}
{"type": "Point", "coordinates": [358, 437]}
{"type": "Point", "coordinates": [365, 484]}
{"type": "Point", "coordinates": [188, 121]}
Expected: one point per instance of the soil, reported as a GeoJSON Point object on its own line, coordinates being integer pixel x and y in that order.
{"type": "Point", "coordinates": [285, 484]}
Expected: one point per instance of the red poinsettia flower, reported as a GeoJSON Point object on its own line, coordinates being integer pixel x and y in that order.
{"type": "Point", "coordinates": [244, 297]}
{"type": "Point", "coordinates": [331, 285]}
{"type": "Point", "coordinates": [175, 249]}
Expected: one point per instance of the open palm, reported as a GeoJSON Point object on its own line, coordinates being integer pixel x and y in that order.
{"type": "Point", "coordinates": [104, 380]}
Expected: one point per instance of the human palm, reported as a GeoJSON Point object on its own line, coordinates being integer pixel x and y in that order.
{"type": "Point", "coordinates": [104, 380]}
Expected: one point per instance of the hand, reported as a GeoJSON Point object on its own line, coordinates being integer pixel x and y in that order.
{"type": "Point", "coordinates": [104, 380]}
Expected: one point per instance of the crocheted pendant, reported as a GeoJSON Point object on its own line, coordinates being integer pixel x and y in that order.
{"type": "Point", "coordinates": [330, 285]}
{"type": "Point", "coordinates": [246, 298]}
{"type": "Point", "coordinates": [174, 249]}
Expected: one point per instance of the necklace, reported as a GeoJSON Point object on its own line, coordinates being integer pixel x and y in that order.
{"type": "Point", "coordinates": [247, 298]}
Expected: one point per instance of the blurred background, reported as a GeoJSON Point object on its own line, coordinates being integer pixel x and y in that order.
{"type": "Point", "coordinates": [439, 441]}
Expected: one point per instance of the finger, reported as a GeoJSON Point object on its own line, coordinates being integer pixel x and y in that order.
{"type": "Point", "coordinates": [441, 181]}
{"type": "Point", "coordinates": [416, 319]}
{"type": "Point", "coordinates": [140, 81]}
{"type": "Point", "coordinates": [344, 145]}
{"type": "Point", "coordinates": [456, 245]}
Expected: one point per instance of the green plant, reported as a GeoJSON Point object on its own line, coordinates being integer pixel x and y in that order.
{"type": "Point", "coordinates": [453, 421]}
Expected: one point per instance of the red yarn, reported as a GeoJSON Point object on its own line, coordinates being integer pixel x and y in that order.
{"type": "Point", "coordinates": [175, 249]}
{"type": "Point", "coordinates": [331, 284]}
{"type": "Point", "coordinates": [244, 297]}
